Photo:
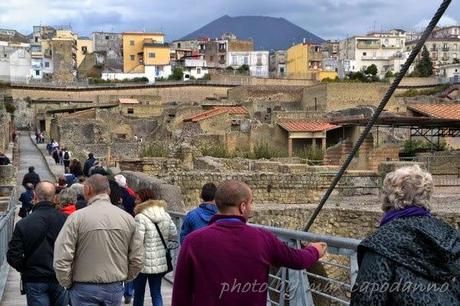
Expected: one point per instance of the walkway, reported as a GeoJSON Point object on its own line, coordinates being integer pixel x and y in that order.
{"type": "Point", "coordinates": [30, 156]}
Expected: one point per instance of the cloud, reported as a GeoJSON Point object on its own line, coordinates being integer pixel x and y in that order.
{"type": "Point", "coordinates": [445, 21]}
{"type": "Point", "coordinates": [329, 19]}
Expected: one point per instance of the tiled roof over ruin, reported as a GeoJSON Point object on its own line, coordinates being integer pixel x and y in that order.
{"type": "Point", "coordinates": [128, 101]}
{"type": "Point", "coordinates": [233, 110]}
{"type": "Point", "coordinates": [306, 126]}
{"type": "Point", "coordinates": [442, 111]}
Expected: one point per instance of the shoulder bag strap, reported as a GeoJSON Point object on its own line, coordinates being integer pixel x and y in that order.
{"type": "Point", "coordinates": [161, 235]}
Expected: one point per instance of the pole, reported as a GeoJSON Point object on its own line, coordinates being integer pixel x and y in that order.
{"type": "Point", "coordinates": [442, 8]}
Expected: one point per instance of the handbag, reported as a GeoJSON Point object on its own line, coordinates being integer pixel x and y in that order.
{"type": "Point", "coordinates": [168, 251]}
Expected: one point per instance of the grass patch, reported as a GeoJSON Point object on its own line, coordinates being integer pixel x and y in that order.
{"type": "Point", "coordinates": [423, 92]}
{"type": "Point", "coordinates": [155, 150]}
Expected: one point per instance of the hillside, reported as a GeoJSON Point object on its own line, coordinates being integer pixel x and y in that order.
{"type": "Point", "coordinates": [268, 33]}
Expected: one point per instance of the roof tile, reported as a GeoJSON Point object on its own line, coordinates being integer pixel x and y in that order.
{"type": "Point", "coordinates": [442, 111]}
{"type": "Point", "coordinates": [233, 110]}
{"type": "Point", "coordinates": [306, 126]}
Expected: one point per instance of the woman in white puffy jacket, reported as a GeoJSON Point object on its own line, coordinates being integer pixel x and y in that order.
{"type": "Point", "coordinates": [148, 213]}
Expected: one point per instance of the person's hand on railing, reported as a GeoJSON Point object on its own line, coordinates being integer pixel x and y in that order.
{"type": "Point", "coordinates": [321, 247]}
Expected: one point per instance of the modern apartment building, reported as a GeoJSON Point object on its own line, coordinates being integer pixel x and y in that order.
{"type": "Point", "coordinates": [41, 52]}
{"type": "Point", "coordinates": [384, 50]}
{"type": "Point", "coordinates": [277, 66]}
{"type": "Point", "coordinates": [304, 60]}
{"type": "Point", "coordinates": [258, 61]}
{"type": "Point", "coordinates": [110, 44]}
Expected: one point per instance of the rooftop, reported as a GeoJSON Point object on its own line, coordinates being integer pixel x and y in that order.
{"type": "Point", "coordinates": [306, 126]}
{"type": "Point", "coordinates": [233, 110]}
{"type": "Point", "coordinates": [127, 101]}
{"type": "Point", "coordinates": [441, 111]}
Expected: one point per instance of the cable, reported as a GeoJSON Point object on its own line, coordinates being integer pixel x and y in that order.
{"type": "Point", "coordinates": [442, 8]}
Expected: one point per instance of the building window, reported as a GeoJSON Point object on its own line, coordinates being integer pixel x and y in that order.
{"type": "Point", "coordinates": [131, 42]}
{"type": "Point", "coordinates": [107, 37]}
{"type": "Point", "coordinates": [454, 55]}
{"type": "Point", "coordinates": [202, 47]}
{"type": "Point", "coordinates": [152, 54]}
{"type": "Point", "coordinates": [37, 72]}
{"type": "Point", "coordinates": [234, 60]}
{"type": "Point", "coordinates": [259, 59]}
{"type": "Point", "coordinates": [246, 60]}
{"type": "Point", "coordinates": [198, 70]}
{"type": "Point", "coordinates": [130, 110]}
{"type": "Point", "coordinates": [222, 47]}
{"type": "Point", "coordinates": [178, 45]}
{"type": "Point", "coordinates": [364, 53]}
{"type": "Point", "coordinates": [36, 39]}
{"type": "Point", "coordinates": [84, 49]}
{"type": "Point", "coordinates": [131, 57]}
{"type": "Point", "coordinates": [47, 64]}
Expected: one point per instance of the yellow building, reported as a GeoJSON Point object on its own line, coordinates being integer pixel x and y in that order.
{"type": "Point", "coordinates": [303, 60]}
{"type": "Point", "coordinates": [84, 47]}
{"type": "Point", "coordinates": [144, 49]}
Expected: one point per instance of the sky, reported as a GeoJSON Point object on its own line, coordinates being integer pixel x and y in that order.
{"type": "Point", "coordinates": [329, 19]}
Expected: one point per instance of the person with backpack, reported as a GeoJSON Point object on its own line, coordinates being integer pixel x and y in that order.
{"type": "Point", "coordinates": [66, 158]}
{"type": "Point", "coordinates": [31, 250]}
{"type": "Point", "coordinates": [26, 200]}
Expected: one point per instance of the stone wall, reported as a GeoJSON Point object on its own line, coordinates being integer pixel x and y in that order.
{"type": "Point", "coordinates": [248, 80]}
{"type": "Point", "coordinates": [4, 130]}
{"type": "Point", "coordinates": [446, 162]}
{"type": "Point", "coordinates": [251, 94]}
{"type": "Point", "coordinates": [336, 96]}
{"type": "Point", "coordinates": [272, 182]}
{"type": "Point", "coordinates": [334, 221]}
{"type": "Point", "coordinates": [179, 93]}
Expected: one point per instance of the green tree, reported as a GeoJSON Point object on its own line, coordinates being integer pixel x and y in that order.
{"type": "Point", "coordinates": [424, 67]}
{"type": "Point", "coordinates": [177, 74]}
{"type": "Point", "coordinates": [372, 70]}
{"type": "Point", "coordinates": [243, 68]}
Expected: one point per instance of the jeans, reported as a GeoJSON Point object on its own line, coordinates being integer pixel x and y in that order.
{"type": "Point", "coordinates": [129, 289]}
{"type": "Point", "coordinates": [86, 294]}
{"type": "Point", "coordinates": [45, 294]}
{"type": "Point", "coordinates": [155, 289]}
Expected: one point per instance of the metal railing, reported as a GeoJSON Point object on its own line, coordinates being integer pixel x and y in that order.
{"type": "Point", "coordinates": [329, 282]}
{"type": "Point", "coordinates": [6, 232]}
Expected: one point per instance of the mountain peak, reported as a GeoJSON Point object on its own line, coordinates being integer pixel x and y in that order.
{"type": "Point", "coordinates": [268, 33]}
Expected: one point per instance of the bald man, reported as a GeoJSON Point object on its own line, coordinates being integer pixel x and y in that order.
{"type": "Point", "coordinates": [98, 248]}
{"type": "Point", "coordinates": [227, 263]}
{"type": "Point", "coordinates": [31, 250]}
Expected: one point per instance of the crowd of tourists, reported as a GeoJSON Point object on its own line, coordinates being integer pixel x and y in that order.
{"type": "Point", "coordinates": [90, 239]}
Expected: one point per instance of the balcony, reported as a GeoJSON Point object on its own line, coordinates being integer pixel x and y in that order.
{"type": "Point", "coordinates": [374, 44]}
{"type": "Point", "coordinates": [378, 58]}
{"type": "Point", "coordinates": [315, 56]}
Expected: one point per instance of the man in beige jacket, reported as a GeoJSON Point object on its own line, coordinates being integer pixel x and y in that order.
{"type": "Point", "coordinates": [97, 249]}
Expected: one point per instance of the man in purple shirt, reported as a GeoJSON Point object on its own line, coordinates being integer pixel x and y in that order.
{"type": "Point", "coordinates": [217, 264]}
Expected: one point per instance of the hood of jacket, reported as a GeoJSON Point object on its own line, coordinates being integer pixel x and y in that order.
{"type": "Point", "coordinates": [152, 209]}
{"type": "Point", "coordinates": [206, 211]}
{"type": "Point", "coordinates": [425, 245]}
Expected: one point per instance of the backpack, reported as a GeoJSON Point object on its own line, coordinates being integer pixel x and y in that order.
{"type": "Point", "coordinates": [66, 155]}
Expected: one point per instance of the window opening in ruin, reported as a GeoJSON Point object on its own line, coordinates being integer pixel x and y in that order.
{"type": "Point", "coordinates": [130, 110]}
{"type": "Point", "coordinates": [107, 37]}
{"type": "Point", "coordinates": [316, 104]}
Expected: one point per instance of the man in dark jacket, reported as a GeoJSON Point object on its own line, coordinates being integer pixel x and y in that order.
{"type": "Point", "coordinates": [200, 216]}
{"type": "Point", "coordinates": [88, 164]}
{"type": "Point", "coordinates": [31, 177]}
{"type": "Point", "coordinates": [31, 250]}
{"type": "Point", "coordinates": [26, 200]}
{"type": "Point", "coordinates": [4, 160]}
{"type": "Point", "coordinates": [229, 252]}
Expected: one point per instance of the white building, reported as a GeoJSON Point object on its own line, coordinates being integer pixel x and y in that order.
{"type": "Point", "coordinates": [381, 49]}
{"type": "Point", "coordinates": [15, 62]}
{"type": "Point", "coordinates": [450, 73]}
{"type": "Point", "coordinates": [258, 61]}
{"type": "Point", "coordinates": [195, 68]}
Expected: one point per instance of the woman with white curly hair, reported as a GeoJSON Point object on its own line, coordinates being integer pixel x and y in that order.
{"type": "Point", "coordinates": [413, 258]}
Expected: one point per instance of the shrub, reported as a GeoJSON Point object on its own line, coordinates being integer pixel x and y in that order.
{"type": "Point", "coordinates": [10, 108]}
{"type": "Point", "coordinates": [411, 147]}
{"type": "Point", "coordinates": [310, 153]}
{"type": "Point", "coordinates": [155, 150]}
{"type": "Point", "coordinates": [215, 150]}
{"type": "Point", "coordinates": [424, 92]}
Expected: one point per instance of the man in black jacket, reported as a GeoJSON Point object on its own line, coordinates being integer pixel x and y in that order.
{"type": "Point", "coordinates": [88, 164]}
{"type": "Point", "coordinates": [31, 177]}
{"type": "Point", "coordinates": [31, 250]}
